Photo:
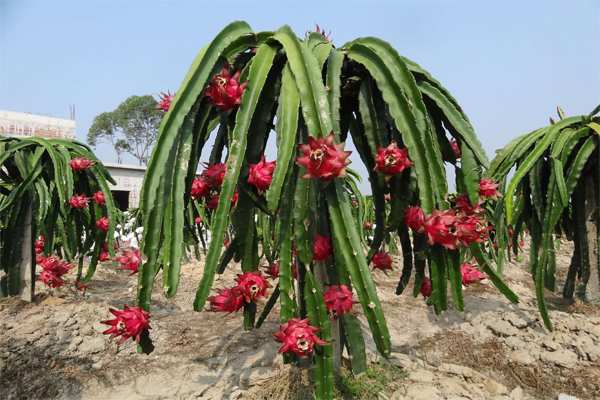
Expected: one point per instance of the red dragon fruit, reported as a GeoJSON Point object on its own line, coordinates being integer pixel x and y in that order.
{"type": "Point", "coordinates": [382, 261]}
{"type": "Point", "coordinates": [521, 244]}
{"type": "Point", "coordinates": [200, 189]}
{"type": "Point", "coordinates": [50, 263]}
{"type": "Point", "coordinates": [39, 259]}
{"type": "Point", "coordinates": [213, 202]}
{"type": "Point", "coordinates": [473, 230]}
{"type": "Point", "coordinates": [39, 250]}
{"type": "Point", "coordinates": [198, 220]}
{"type": "Point", "coordinates": [103, 256]}
{"type": "Point", "coordinates": [225, 90]}
{"type": "Point", "coordinates": [39, 243]}
{"type": "Point", "coordinates": [62, 268]}
{"type": "Point", "coordinates": [130, 261]}
{"type": "Point", "coordinates": [338, 300]}
{"type": "Point", "coordinates": [128, 323]}
{"type": "Point", "coordinates": [426, 287]}
{"type": "Point", "coordinates": [387, 196]}
{"type": "Point", "coordinates": [321, 248]}
{"type": "Point", "coordinates": [465, 208]}
{"type": "Point", "coordinates": [52, 279]}
{"type": "Point", "coordinates": [273, 270]}
{"type": "Point", "coordinates": [261, 174]}
{"type": "Point", "coordinates": [368, 225]}
{"type": "Point", "coordinates": [322, 159]}
{"type": "Point", "coordinates": [252, 285]}
{"type": "Point", "coordinates": [99, 197]}
{"type": "Point", "coordinates": [79, 201]}
{"type": "Point", "coordinates": [414, 218]}
{"type": "Point", "coordinates": [80, 163]}
{"type": "Point", "coordinates": [471, 275]}
{"type": "Point", "coordinates": [78, 285]}
{"type": "Point", "coordinates": [355, 203]}
{"type": "Point", "coordinates": [298, 337]}
{"type": "Point", "coordinates": [165, 101]}
{"type": "Point", "coordinates": [225, 242]}
{"type": "Point", "coordinates": [489, 189]}
{"type": "Point", "coordinates": [227, 300]}
{"type": "Point", "coordinates": [103, 224]}
{"type": "Point", "coordinates": [105, 246]}
{"type": "Point", "coordinates": [391, 160]}
{"type": "Point", "coordinates": [455, 148]}
{"type": "Point", "coordinates": [214, 173]}
{"type": "Point", "coordinates": [443, 227]}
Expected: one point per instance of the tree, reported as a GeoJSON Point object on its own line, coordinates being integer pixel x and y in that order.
{"type": "Point", "coordinates": [320, 96]}
{"type": "Point", "coordinates": [131, 128]}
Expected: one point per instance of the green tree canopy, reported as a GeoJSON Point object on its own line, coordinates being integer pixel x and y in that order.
{"type": "Point", "coordinates": [131, 128]}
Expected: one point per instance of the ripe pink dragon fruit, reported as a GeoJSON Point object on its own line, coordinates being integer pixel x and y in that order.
{"type": "Point", "coordinates": [465, 208]}
{"type": "Point", "coordinates": [105, 246]}
{"type": "Point", "coordinates": [426, 287]}
{"type": "Point", "coordinates": [62, 268]}
{"type": "Point", "coordinates": [79, 201]}
{"type": "Point", "coordinates": [273, 270]}
{"type": "Point", "coordinates": [214, 173]}
{"type": "Point", "coordinates": [213, 202]}
{"type": "Point", "coordinates": [322, 159]}
{"type": "Point", "coordinates": [473, 230]}
{"type": "Point", "coordinates": [521, 244]}
{"type": "Point", "coordinates": [338, 300]}
{"type": "Point", "coordinates": [52, 279]}
{"type": "Point", "coordinates": [225, 90]}
{"type": "Point", "coordinates": [227, 300]}
{"type": "Point", "coordinates": [130, 261]}
{"type": "Point", "coordinates": [99, 197]}
{"type": "Point", "coordinates": [165, 101]}
{"type": "Point", "coordinates": [225, 242]}
{"type": "Point", "coordinates": [39, 250]}
{"type": "Point", "coordinates": [128, 323]}
{"type": "Point", "coordinates": [387, 196]}
{"type": "Point", "coordinates": [382, 261]}
{"type": "Point", "coordinates": [489, 189]}
{"type": "Point", "coordinates": [252, 285]}
{"type": "Point", "coordinates": [102, 224]}
{"type": "Point", "coordinates": [368, 225]}
{"type": "Point", "coordinates": [50, 263]}
{"type": "Point", "coordinates": [200, 189]}
{"type": "Point", "coordinates": [321, 248]}
{"type": "Point", "coordinates": [80, 287]}
{"type": "Point", "coordinates": [198, 220]}
{"type": "Point", "coordinates": [261, 174]}
{"type": "Point", "coordinates": [39, 243]}
{"type": "Point", "coordinates": [298, 337]}
{"type": "Point", "coordinates": [414, 218]}
{"type": "Point", "coordinates": [103, 256]}
{"type": "Point", "coordinates": [80, 163]}
{"type": "Point", "coordinates": [443, 227]}
{"type": "Point", "coordinates": [39, 259]}
{"type": "Point", "coordinates": [391, 160]}
{"type": "Point", "coordinates": [355, 203]}
{"type": "Point", "coordinates": [471, 275]}
{"type": "Point", "coordinates": [455, 148]}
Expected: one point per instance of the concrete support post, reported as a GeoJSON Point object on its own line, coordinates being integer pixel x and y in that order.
{"type": "Point", "coordinates": [592, 293]}
{"type": "Point", "coordinates": [27, 266]}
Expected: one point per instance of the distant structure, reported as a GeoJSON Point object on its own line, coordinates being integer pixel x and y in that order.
{"type": "Point", "coordinates": [23, 125]}
{"type": "Point", "coordinates": [129, 180]}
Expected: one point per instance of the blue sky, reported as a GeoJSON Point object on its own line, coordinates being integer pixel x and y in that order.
{"type": "Point", "coordinates": [509, 64]}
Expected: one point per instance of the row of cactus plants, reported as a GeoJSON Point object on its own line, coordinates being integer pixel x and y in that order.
{"type": "Point", "coordinates": [46, 183]}
{"type": "Point", "coordinates": [253, 88]}
{"type": "Point", "coordinates": [554, 192]}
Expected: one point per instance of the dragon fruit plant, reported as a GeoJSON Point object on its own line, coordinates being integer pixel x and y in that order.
{"type": "Point", "coordinates": [250, 89]}
{"type": "Point", "coordinates": [554, 191]}
{"type": "Point", "coordinates": [65, 189]}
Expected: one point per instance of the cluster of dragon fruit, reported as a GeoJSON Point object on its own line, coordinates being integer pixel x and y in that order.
{"type": "Point", "coordinates": [325, 161]}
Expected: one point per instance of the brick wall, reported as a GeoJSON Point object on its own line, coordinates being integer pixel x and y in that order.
{"type": "Point", "coordinates": [129, 178]}
{"type": "Point", "coordinates": [15, 124]}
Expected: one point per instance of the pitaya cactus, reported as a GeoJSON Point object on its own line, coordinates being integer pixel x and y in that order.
{"type": "Point", "coordinates": [298, 337]}
{"type": "Point", "coordinates": [225, 90]}
{"type": "Point", "coordinates": [322, 159]}
{"type": "Point", "coordinates": [128, 323]}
